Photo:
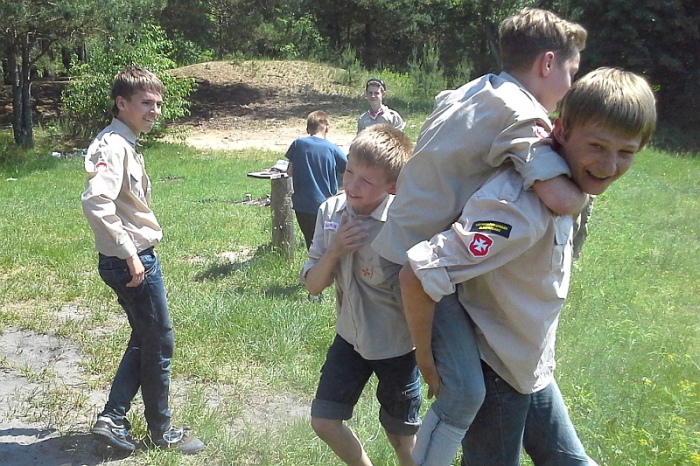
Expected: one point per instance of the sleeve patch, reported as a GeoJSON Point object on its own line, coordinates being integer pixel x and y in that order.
{"type": "Point", "coordinates": [480, 245]}
{"type": "Point", "coordinates": [493, 227]}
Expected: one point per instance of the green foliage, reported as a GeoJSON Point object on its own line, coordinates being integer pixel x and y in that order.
{"type": "Point", "coordinates": [426, 73]}
{"type": "Point", "coordinates": [348, 61]}
{"type": "Point", "coordinates": [87, 101]}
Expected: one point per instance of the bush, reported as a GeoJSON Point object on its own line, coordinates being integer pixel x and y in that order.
{"type": "Point", "coordinates": [86, 99]}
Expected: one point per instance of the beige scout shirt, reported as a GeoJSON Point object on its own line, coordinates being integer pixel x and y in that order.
{"type": "Point", "coordinates": [368, 298]}
{"type": "Point", "coordinates": [384, 115]}
{"type": "Point", "coordinates": [473, 130]}
{"type": "Point", "coordinates": [117, 199]}
{"type": "Point", "coordinates": [510, 258]}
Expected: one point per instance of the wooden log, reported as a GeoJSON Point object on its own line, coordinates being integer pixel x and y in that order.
{"type": "Point", "coordinates": [282, 217]}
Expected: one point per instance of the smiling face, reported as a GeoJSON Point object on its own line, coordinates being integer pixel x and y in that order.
{"type": "Point", "coordinates": [375, 95]}
{"type": "Point", "coordinates": [366, 187]}
{"type": "Point", "coordinates": [597, 157]}
{"type": "Point", "coordinates": [140, 111]}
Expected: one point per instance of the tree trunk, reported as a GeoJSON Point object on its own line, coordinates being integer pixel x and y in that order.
{"type": "Point", "coordinates": [27, 123]}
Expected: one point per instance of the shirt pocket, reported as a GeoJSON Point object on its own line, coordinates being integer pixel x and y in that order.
{"type": "Point", "coordinates": [135, 179]}
{"type": "Point", "coordinates": [369, 267]}
{"type": "Point", "coordinates": [562, 254]}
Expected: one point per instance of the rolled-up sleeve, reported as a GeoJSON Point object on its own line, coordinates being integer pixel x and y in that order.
{"type": "Point", "coordinates": [494, 228]}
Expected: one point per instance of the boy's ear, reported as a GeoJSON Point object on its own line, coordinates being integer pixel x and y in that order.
{"type": "Point", "coordinates": [546, 63]}
{"type": "Point", "coordinates": [120, 102]}
{"type": "Point", "coordinates": [559, 131]}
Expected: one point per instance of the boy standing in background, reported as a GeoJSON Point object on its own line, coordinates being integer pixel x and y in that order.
{"type": "Point", "coordinates": [315, 165]}
{"type": "Point", "coordinates": [378, 113]}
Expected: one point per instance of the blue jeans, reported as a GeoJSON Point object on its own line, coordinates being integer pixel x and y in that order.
{"type": "Point", "coordinates": [508, 417]}
{"type": "Point", "coordinates": [461, 385]}
{"type": "Point", "coordinates": [146, 361]}
{"type": "Point", "coordinates": [344, 376]}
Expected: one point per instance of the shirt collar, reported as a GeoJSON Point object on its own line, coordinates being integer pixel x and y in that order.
{"type": "Point", "coordinates": [508, 77]}
{"type": "Point", "coordinates": [119, 127]}
{"type": "Point", "coordinates": [380, 213]}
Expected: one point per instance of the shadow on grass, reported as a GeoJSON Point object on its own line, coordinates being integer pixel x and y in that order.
{"type": "Point", "coordinates": [72, 448]}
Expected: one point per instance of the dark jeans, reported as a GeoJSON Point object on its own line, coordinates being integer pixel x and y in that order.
{"type": "Point", "coordinates": [307, 225]}
{"type": "Point", "coordinates": [496, 435]}
{"type": "Point", "coordinates": [146, 361]}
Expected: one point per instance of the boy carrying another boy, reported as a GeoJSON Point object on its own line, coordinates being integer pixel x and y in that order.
{"type": "Point", "coordinates": [372, 334]}
{"type": "Point", "coordinates": [491, 121]}
{"type": "Point", "coordinates": [378, 113]}
{"type": "Point", "coordinates": [509, 257]}
{"type": "Point", "coordinates": [116, 204]}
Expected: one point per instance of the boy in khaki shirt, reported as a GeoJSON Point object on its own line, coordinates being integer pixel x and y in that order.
{"type": "Point", "coordinates": [371, 331]}
{"type": "Point", "coordinates": [116, 204]}
{"type": "Point", "coordinates": [509, 257]}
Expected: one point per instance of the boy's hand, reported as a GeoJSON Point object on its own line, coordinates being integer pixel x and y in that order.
{"type": "Point", "coordinates": [137, 271]}
{"type": "Point", "coordinates": [426, 364]}
{"type": "Point", "coordinates": [351, 236]}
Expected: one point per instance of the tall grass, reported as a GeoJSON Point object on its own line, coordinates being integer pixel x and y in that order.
{"type": "Point", "coordinates": [628, 348]}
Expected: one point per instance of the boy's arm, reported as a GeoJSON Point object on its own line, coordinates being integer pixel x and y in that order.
{"type": "Point", "coordinates": [561, 195]}
{"type": "Point", "coordinates": [419, 309]}
{"type": "Point", "coordinates": [351, 235]}
{"type": "Point", "coordinates": [290, 169]}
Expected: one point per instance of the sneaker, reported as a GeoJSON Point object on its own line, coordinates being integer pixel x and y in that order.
{"type": "Point", "coordinates": [107, 431]}
{"type": "Point", "coordinates": [179, 439]}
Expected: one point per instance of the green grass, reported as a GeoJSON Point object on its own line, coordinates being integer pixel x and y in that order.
{"type": "Point", "coordinates": [628, 347]}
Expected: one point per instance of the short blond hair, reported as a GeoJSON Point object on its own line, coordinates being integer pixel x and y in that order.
{"type": "Point", "coordinates": [317, 121]}
{"type": "Point", "coordinates": [618, 100]}
{"type": "Point", "coordinates": [382, 146]}
{"type": "Point", "coordinates": [133, 79]}
{"type": "Point", "coordinates": [525, 35]}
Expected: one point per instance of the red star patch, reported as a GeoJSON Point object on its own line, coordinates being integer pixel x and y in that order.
{"type": "Point", "coordinates": [480, 245]}
{"type": "Point", "coordinates": [367, 272]}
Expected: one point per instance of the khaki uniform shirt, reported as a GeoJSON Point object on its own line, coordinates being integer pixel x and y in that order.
{"type": "Point", "coordinates": [384, 115]}
{"type": "Point", "coordinates": [368, 297]}
{"type": "Point", "coordinates": [473, 130]}
{"type": "Point", "coordinates": [117, 199]}
{"type": "Point", "coordinates": [510, 259]}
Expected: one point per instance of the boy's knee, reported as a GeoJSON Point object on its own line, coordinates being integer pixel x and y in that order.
{"type": "Point", "coordinates": [325, 427]}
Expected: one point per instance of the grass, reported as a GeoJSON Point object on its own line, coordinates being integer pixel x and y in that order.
{"type": "Point", "coordinates": [628, 348]}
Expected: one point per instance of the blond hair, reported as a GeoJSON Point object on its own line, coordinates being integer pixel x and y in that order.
{"type": "Point", "coordinates": [317, 121]}
{"type": "Point", "coordinates": [525, 35]}
{"type": "Point", "coordinates": [618, 100]}
{"type": "Point", "coordinates": [382, 146]}
{"type": "Point", "coordinates": [133, 79]}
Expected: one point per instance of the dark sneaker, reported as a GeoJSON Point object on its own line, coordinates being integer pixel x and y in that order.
{"type": "Point", "coordinates": [107, 431]}
{"type": "Point", "coordinates": [179, 439]}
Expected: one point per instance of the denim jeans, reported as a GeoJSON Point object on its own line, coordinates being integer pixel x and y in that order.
{"type": "Point", "coordinates": [461, 385]}
{"type": "Point", "coordinates": [146, 361]}
{"type": "Point", "coordinates": [508, 417]}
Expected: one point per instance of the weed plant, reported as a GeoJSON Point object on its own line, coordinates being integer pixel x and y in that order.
{"type": "Point", "coordinates": [628, 346]}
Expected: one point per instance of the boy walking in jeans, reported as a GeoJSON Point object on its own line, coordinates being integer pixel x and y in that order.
{"type": "Point", "coordinates": [509, 257]}
{"type": "Point", "coordinates": [372, 334]}
{"type": "Point", "coordinates": [116, 204]}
